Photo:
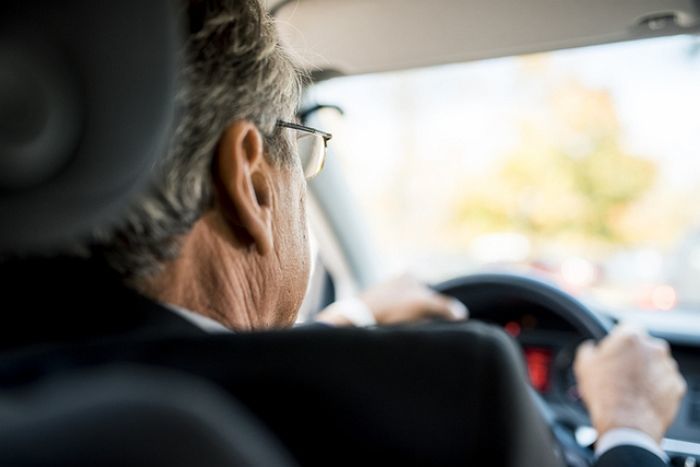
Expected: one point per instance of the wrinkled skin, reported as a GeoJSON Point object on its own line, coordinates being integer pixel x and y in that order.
{"type": "Point", "coordinates": [629, 380]}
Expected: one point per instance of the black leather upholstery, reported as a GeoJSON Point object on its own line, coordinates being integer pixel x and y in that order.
{"type": "Point", "coordinates": [130, 416]}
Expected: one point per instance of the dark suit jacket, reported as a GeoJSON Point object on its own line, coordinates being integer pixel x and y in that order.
{"type": "Point", "coordinates": [440, 397]}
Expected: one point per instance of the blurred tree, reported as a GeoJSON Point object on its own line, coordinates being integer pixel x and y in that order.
{"type": "Point", "coordinates": [570, 174]}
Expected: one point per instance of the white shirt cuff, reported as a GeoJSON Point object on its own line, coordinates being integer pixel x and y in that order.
{"type": "Point", "coordinates": [355, 311]}
{"type": "Point", "coordinates": [628, 437]}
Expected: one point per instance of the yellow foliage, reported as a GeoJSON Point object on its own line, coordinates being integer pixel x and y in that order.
{"type": "Point", "coordinates": [569, 175]}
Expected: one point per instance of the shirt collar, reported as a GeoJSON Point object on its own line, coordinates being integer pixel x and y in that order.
{"type": "Point", "coordinates": [204, 323]}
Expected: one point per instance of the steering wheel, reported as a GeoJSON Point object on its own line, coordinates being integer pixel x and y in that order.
{"type": "Point", "coordinates": [483, 293]}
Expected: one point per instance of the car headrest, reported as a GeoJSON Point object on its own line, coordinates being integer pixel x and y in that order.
{"type": "Point", "coordinates": [86, 100]}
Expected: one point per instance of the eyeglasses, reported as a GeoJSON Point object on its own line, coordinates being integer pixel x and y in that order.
{"type": "Point", "coordinates": [312, 145]}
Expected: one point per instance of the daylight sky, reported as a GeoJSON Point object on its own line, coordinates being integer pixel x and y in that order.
{"type": "Point", "coordinates": [655, 85]}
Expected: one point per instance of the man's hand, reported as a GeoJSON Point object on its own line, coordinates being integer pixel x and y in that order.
{"type": "Point", "coordinates": [629, 380]}
{"type": "Point", "coordinates": [406, 299]}
{"type": "Point", "coordinates": [402, 300]}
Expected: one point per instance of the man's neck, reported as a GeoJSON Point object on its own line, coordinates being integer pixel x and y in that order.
{"type": "Point", "coordinates": [215, 279]}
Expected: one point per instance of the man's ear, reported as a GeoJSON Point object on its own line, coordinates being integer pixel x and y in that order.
{"type": "Point", "coordinates": [244, 182]}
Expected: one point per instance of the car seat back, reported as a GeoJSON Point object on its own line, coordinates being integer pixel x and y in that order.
{"type": "Point", "coordinates": [130, 416]}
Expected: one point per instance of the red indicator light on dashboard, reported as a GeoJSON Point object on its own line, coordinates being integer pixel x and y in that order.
{"type": "Point", "coordinates": [512, 328]}
{"type": "Point", "coordinates": [538, 367]}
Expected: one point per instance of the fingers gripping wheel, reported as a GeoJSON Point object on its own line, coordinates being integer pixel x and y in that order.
{"type": "Point", "coordinates": [86, 97]}
{"type": "Point", "coordinates": [484, 292]}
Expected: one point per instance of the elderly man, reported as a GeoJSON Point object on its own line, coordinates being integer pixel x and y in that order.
{"type": "Point", "coordinates": [220, 241]}
{"type": "Point", "coordinates": [223, 230]}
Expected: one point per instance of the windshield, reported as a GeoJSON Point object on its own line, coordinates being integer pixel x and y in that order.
{"type": "Point", "coordinates": [581, 166]}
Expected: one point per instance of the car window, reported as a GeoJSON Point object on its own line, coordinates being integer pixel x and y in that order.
{"type": "Point", "coordinates": [581, 166]}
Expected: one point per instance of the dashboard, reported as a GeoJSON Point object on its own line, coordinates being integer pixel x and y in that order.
{"type": "Point", "coordinates": [549, 346]}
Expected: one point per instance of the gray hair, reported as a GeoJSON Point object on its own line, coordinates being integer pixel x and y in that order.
{"type": "Point", "coordinates": [233, 69]}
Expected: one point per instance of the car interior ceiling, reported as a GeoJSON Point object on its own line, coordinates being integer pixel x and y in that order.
{"type": "Point", "coordinates": [461, 31]}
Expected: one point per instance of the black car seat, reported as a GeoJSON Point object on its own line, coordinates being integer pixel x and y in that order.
{"type": "Point", "coordinates": [130, 416]}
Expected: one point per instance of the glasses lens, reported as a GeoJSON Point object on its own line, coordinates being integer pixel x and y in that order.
{"type": "Point", "coordinates": [312, 151]}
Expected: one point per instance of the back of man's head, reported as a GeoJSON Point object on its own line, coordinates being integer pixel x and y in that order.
{"type": "Point", "coordinates": [233, 68]}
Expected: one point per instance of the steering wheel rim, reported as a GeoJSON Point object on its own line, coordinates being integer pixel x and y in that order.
{"type": "Point", "coordinates": [493, 288]}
